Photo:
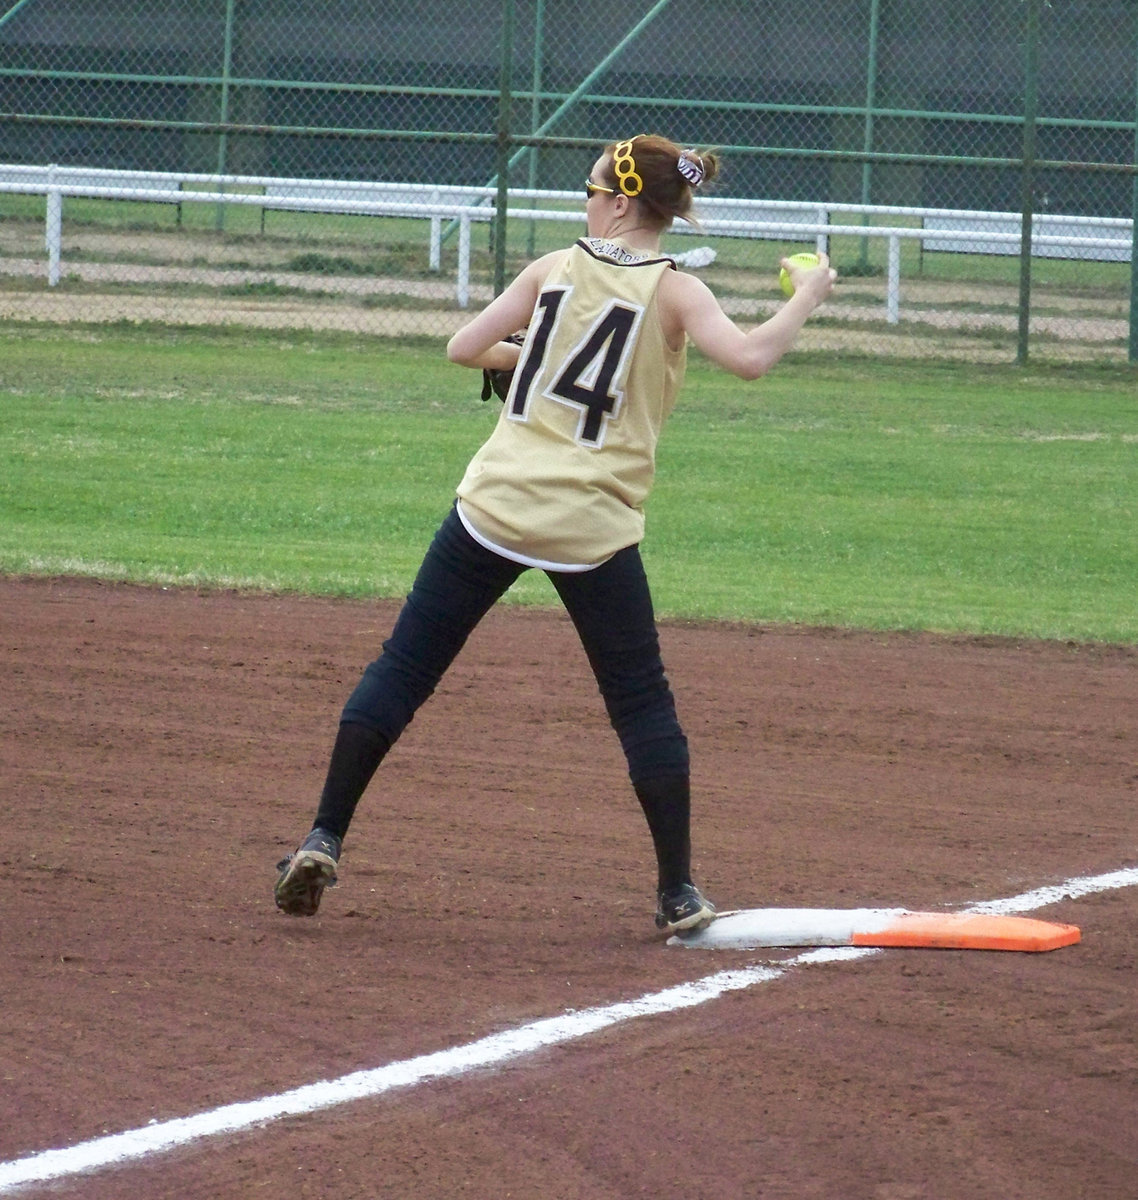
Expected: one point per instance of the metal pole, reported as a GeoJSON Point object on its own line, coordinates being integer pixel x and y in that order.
{"type": "Point", "coordinates": [13, 11]}
{"type": "Point", "coordinates": [1133, 355]}
{"type": "Point", "coordinates": [597, 71]}
{"type": "Point", "coordinates": [54, 234]}
{"type": "Point", "coordinates": [505, 103]}
{"type": "Point", "coordinates": [870, 100]}
{"type": "Point", "coordinates": [535, 112]}
{"type": "Point", "coordinates": [581, 88]}
{"type": "Point", "coordinates": [1030, 115]}
{"type": "Point", "coordinates": [226, 69]}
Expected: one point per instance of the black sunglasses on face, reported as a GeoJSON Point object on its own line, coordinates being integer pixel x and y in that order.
{"type": "Point", "coordinates": [591, 189]}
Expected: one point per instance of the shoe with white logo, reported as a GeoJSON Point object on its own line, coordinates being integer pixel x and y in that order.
{"type": "Point", "coordinates": [683, 909]}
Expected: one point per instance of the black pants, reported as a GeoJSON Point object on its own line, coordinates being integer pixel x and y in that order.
{"type": "Point", "coordinates": [611, 609]}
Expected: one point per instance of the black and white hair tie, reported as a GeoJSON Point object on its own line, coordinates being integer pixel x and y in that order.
{"type": "Point", "coordinates": [690, 167]}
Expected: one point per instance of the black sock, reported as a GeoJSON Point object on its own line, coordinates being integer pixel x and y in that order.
{"type": "Point", "coordinates": [667, 807]}
{"type": "Point", "coordinates": [357, 753]}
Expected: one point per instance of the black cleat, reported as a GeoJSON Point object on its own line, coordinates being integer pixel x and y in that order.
{"type": "Point", "coordinates": [305, 874]}
{"type": "Point", "coordinates": [683, 909]}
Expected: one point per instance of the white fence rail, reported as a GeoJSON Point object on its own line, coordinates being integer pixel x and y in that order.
{"type": "Point", "coordinates": [1054, 236]}
{"type": "Point", "coordinates": [965, 231]}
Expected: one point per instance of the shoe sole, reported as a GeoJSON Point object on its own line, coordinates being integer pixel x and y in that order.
{"type": "Point", "coordinates": [689, 924]}
{"type": "Point", "coordinates": [299, 889]}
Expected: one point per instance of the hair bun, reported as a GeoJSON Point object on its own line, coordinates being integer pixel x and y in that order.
{"type": "Point", "coordinates": [690, 166]}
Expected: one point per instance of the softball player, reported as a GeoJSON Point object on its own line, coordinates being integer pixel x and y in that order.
{"type": "Point", "coordinates": [560, 485]}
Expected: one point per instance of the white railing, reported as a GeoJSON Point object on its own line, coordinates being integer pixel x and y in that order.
{"type": "Point", "coordinates": [156, 187]}
{"type": "Point", "coordinates": [1054, 235]}
{"type": "Point", "coordinates": [967, 231]}
{"type": "Point", "coordinates": [1104, 248]}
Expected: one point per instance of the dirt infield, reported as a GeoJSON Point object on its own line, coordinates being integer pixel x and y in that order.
{"type": "Point", "coordinates": [163, 748]}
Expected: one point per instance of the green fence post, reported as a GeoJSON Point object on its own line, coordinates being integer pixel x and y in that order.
{"type": "Point", "coordinates": [505, 104]}
{"type": "Point", "coordinates": [535, 112]}
{"type": "Point", "coordinates": [870, 100]}
{"type": "Point", "coordinates": [223, 108]}
{"type": "Point", "coordinates": [570, 101]}
{"type": "Point", "coordinates": [1030, 115]}
{"type": "Point", "coordinates": [223, 102]}
{"type": "Point", "coordinates": [1133, 355]}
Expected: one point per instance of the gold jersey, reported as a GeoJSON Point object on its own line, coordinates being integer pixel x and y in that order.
{"type": "Point", "coordinates": [562, 480]}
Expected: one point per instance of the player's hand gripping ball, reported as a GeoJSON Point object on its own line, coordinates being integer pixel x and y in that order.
{"type": "Point", "coordinates": [805, 259]}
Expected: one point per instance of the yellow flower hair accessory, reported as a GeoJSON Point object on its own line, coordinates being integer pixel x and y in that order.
{"type": "Point", "coordinates": [624, 167]}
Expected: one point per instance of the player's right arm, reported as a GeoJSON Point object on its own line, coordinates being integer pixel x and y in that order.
{"type": "Point", "coordinates": [690, 307]}
{"type": "Point", "coordinates": [481, 342]}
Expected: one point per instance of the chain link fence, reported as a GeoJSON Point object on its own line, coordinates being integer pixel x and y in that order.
{"type": "Point", "coordinates": [382, 166]}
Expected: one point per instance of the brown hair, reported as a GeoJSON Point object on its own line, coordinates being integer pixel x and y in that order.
{"type": "Point", "coordinates": [659, 173]}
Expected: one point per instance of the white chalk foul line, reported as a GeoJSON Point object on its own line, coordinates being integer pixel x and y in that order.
{"type": "Point", "coordinates": [1071, 890]}
{"type": "Point", "coordinates": [486, 1052]}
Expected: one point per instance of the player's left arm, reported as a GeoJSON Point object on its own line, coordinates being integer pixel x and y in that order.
{"type": "Point", "coordinates": [688, 305]}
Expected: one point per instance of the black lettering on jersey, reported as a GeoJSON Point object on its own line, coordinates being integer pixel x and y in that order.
{"type": "Point", "coordinates": [526, 372]}
{"type": "Point", "coordinates": [587, 378]}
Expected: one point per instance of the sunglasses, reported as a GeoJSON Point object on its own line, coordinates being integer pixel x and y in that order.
{"type": "Point", "coordinates": [591, 189]}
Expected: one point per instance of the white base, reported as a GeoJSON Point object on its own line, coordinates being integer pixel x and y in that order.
{"type": "Point", "coordinates": [750, 928]}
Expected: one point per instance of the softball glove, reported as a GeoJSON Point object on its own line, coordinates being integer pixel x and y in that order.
{"type": "Point", "coordinates": [497, 383]}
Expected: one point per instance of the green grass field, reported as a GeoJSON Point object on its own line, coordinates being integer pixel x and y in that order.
{"type": "Point", "coordinates": [851, 492]}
